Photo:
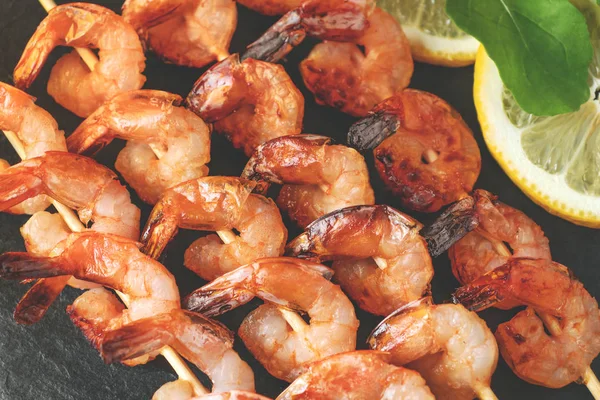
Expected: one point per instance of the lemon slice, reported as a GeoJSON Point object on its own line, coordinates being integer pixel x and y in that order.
{"type": "Point", "coordinates": [433, 37]}
{"type": "Point", "coordinates": [554, 160]}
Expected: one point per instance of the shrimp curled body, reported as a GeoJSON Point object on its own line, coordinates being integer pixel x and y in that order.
{"type": "Point", "coordinates": [167, 144]}
{"type": "Point", "coordinates": [284, 352]}
{"type": "Point", "coordinates": [37, 131]}
{"type": "Point", "coordinates": [353, 236]}
{"type": "Point", "coordinates": [250, 101]}
{"type": "Point", "coordinates": [318, 177]}
{"type": "Point", "coordinates": [341, 76]}
{"type": "Point", "coordinates": [556, 300]}
{"type": "Point", "coordinates": [451, 347]}
{"type": "Point", "coordinates": [405, 130]}
{"type": "Point", "coordinates": [71, 82]}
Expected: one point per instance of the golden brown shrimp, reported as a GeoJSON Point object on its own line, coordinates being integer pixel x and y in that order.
{"type": "Point", "coordinates": [341, 75]}
{"type": "Point", "coordinates": [271, 7]}
{"type": "Point", "coordinates": [554, 296]}
{"type": "Point", "coordinates": [353, 236]}
{"type": "Point", "coordinates": [318, 177]}
{"type": "Point", "coordinates": [211, 203]}
{"type": "Point", "coordinates": [71, 82]}
{"type": "Point", "coordinates": [290, 283]}
{"type": "Point", "coordinates": [167, 144]}
{"type": "Point", "coordinates": [250, 101]}
{"type": "Point", "coordinates": [108, 260]}
{"type": "Point", "coordinates": [35, 128]}
{"type": "Point", "coordinates": [77, 182]}
{"type": "Point", "coordinates": [451, 347]}
{"type": "Point", "coordinates": [337, 20]}
{"type": "Point", "coordinates": [357, 375]}
{"type": "Point", "coordinates": [424, 151]}
{"type": "Point", "coordinates": [483, 250]}
{"type": "Point", "coordinates": [190, 33]}
{"type": "Point", "coordinates": [262, 234]}
{"type": "Point", "coordinates": [202, 341]}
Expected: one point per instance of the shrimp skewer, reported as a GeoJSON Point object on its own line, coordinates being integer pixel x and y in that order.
{"type": "Point", "coordinates": [351, 236]}
{"type": "Point", "coordinates": [451, 347]}
{"type": "Point", "coordinates": [180, 367]}
{"type": "Point", "coordinates": [284, 352]}
{"type": "Point", "coordinates": [557, 294]}
{"type": "Point", "coordinates": [181, 390]}
{"type": "Point", "coordinates": [318, 176]}
{"type": "Point", "coordinates": [121, 62]}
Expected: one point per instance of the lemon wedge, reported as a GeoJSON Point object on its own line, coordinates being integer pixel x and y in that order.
{"type": "Point", "coordinates": [554, 160]}
{"type": "Point", "coordinates": [433, 37]}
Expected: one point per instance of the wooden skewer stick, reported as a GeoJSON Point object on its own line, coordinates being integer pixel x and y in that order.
{"type": "Point", "coordinates": [589, 378]}
{"type": "Point", "coordinates": [430, 155]}
{"type": "Point", "coordinates": [485, 392]}
{"type": "Point", "coordinates": [292, 318]}
{"type": "Point", "coordinates": [73, 222]}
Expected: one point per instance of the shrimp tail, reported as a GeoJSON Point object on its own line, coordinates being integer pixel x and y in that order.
{"type": "Point", "coordinates": [35, 303]}
{"type": "Point", "coordinates": [485, 291]}
{"type": "Point", "coordinates": [212, 302]}
{"type": "Point", "coordinates": [15, 187]}
{"type": "Point", "coordinates": [451, 226]}
{"type": "Point", "coordinates": [89, 138]}
{"type": "Point", "coordinates": [373, 129]}
{"type": "Point", "coordinates": [149, 335]}
{"type": "Point", "coordinates": [137, 339]}
{"type": "Point", "coordinates": [158, 232]}
{"type": "Point", "coordinates": [18, 266]}
{"type": "Point", "coordinates": [279, 40]}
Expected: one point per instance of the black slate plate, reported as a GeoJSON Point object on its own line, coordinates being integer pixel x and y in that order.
{"type": "Point", "coordinates": [52, 360]}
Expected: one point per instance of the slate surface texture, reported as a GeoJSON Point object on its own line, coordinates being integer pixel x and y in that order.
{"type": "Point", "coordinates": [52, 360]}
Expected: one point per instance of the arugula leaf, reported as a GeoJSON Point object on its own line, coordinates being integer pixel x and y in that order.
{"type": "Point", "coordinates": [541, 47]}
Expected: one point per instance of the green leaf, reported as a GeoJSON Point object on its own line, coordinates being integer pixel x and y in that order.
{"type": "Point", "coordinates": [541, 48]}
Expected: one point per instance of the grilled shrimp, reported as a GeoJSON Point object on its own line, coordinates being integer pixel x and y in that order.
{"type": "Point", "coordinates": [250, 101]}
{"type": "Point", "coordinates": [353, 236]}
{"type": "Point", "coordinates": [337, 20]}
{"type": "Point", "coordinates": [80, 183]}
{"type": "Point", "coordinates": [182, 390]}
{"type": "Point", "coordinates": [108, 260]}
{"type": "Point", "coordinates": [35, 128]}
{"type": "Point", "coordinates": [357, 375]}
{"type": "Point", "coordinates": [424, 151]}
{"type": "Point", "coordinates": [554, 298]}
{"type": "Point", "coordinates": [318, 177]}
{"type": "Point", "coordinates": [213, 204]}
{"type": "Point", "coordinates": [202, 341]}
{"type": "Point", "coordinates": [262, 234]}
{"type": "Point", "coordinates": [483, 250]}
{"type": "Point", "coordinates": [191, 33]}
{"type": "Point", "coordinates": [340, 75]}
{"type": "Point", "coordinates": [452, 348]}
{"type": "Point", "coordinates": [284, 352]}
{"type": "Point", "coordinates": [77, 182]}
{"type": "Point", "coordinates": [271, 7]}
{"type": "Point", "coordinates": [167, 144]}
{"type": "Point", "coordinates": [71, 82]}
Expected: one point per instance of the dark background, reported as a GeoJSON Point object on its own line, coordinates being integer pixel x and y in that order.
{"type": "Point", "coordinates": [52, 360]}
